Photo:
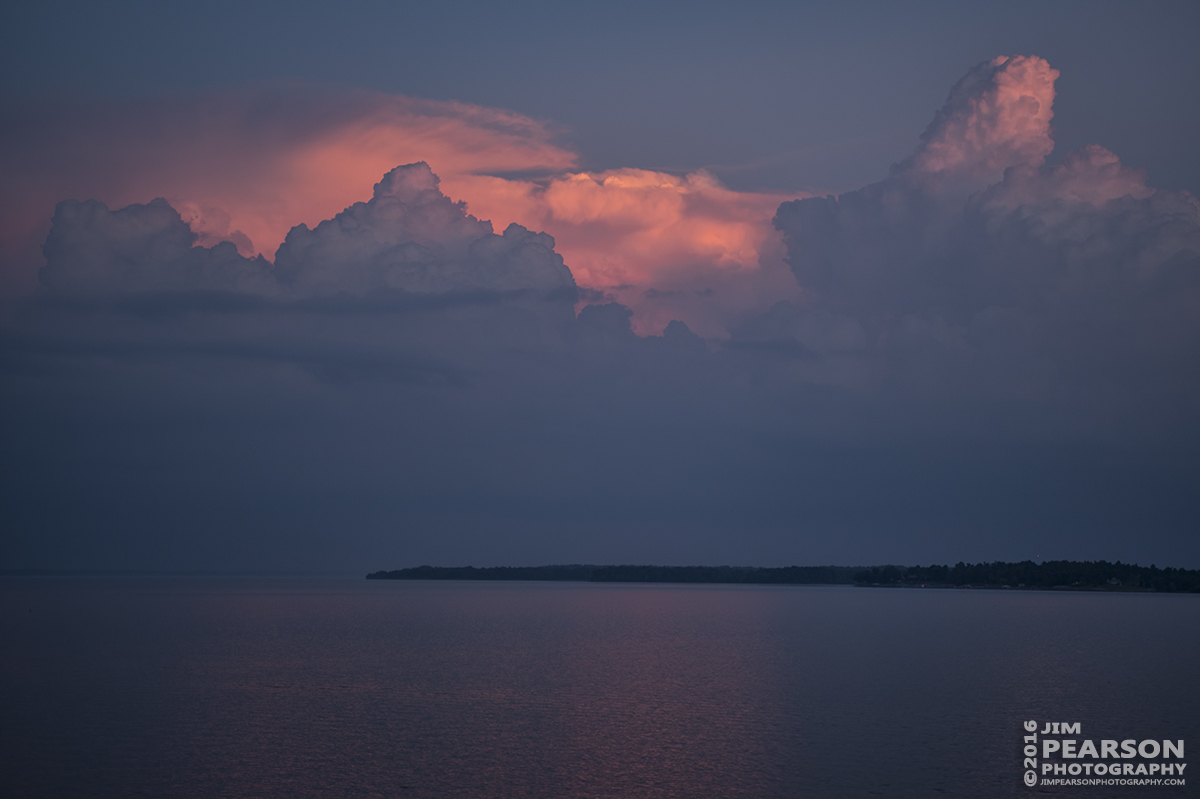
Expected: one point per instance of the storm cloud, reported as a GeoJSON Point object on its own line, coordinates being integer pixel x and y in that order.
{"type": "Point", "coordinates": [974, 267]}
{"type": "Point", "coordinates": [979, 355]}
{"type": "Point", "coordinates": [245, 167]}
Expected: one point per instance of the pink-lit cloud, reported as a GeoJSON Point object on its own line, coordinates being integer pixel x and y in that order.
{"type": "Point", "coordinates": [1073, 283]}
{"type": "Point", "coordinates": [669, 247]}
{"type": "Point", "coordinates": [998, 115]}
{"type": "Point", "coordinates": [246, 168]}
{"type": "Point", "coordinates": [262, 162]}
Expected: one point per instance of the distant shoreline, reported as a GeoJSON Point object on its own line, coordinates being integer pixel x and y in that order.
{"type": "Point", "coordinates": [1061, 575]}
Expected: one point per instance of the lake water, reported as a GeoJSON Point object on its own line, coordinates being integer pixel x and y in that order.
{"type": "Point", "coordinates": [238, 687]}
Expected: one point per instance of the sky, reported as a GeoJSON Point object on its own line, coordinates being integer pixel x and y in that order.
{"type": "Point", "coordinates": [304, 288]}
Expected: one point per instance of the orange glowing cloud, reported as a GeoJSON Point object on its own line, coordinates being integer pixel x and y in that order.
{"type": "Point", "coordinates": [669, 247]}
{"type": "Point", "coordinates": [247, 168]}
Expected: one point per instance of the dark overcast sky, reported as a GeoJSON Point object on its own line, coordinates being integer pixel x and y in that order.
{"type": "Point", "coordinates": [987, 347]}
{"type": "Point", "coordinates": [831, 92]}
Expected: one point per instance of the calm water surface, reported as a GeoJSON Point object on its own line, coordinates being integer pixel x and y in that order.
{"type": "Point", "coordinates": [152, 687]}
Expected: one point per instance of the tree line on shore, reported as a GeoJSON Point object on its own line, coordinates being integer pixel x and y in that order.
{"type": "Point", "coordinates": [1060, 574]}
{"type": "Point", "coordinates": [1099, 574]}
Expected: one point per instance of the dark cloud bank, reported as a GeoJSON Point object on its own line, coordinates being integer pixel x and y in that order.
{"type": "Point", "coordinates": [996, 359]}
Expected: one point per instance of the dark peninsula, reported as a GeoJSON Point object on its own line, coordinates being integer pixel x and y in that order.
{"type": "Point", "coordinates": [1054, 575]}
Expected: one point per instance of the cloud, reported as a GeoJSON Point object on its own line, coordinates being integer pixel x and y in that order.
{"type": "Point", "coordinates": [973, 271]}
{"type": "Point", "coordinates": [974, 267]}
{"type": "Point", "coordinates": [983, 351]}
{"type": "Point", "coordinates": [413, 238]}
{"type": "Point", "coordinates": [669, 247]}
{"type": "Point", "coordinates": [247, 167]}
{"type": "Point", "coordinates": [998, 115]}
{"type": "Point", "coordinates": [409, 241]}
{"type": "Point", "coordinates": [94, 252]}
{"type": "Point", "coordinates": [267, 159]}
